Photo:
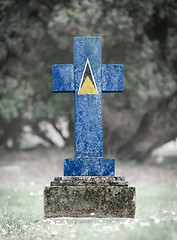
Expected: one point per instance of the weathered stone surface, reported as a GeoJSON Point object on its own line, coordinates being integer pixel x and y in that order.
{"type": "Point", "coordinates": [89, 167]}
{"type": "Point", "coordinates": [88, 180]}
{"type": "Point", "coordinates": [88, 78]}
{"type": "Point", "coordinates": [89, 197]}
{"type": "Point", "coordinates": [86, 196]}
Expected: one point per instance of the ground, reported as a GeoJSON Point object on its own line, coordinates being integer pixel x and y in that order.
{"type": "Point", "coordinates": [24, 174]}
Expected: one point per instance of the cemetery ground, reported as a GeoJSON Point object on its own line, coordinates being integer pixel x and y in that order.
{"type": "Point", "coordinates": [24, 174]}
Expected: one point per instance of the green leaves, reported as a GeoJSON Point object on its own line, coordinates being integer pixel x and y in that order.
{"type": "Point", "coordinates": [14, 96]}
{"type": "Point", "coordinates": [35, 35]}
{"type": "Point", "coordinates": [3, 52]}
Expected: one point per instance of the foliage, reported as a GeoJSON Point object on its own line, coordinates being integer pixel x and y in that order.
{"type": "Point", "coordinates": [36, 34]}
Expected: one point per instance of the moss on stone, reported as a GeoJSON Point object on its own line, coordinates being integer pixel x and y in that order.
{"type": "Point", "coordinates": [103, 200]}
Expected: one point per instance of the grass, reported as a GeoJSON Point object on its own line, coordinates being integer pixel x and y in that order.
{"type": "Point", "coordinates": [21, 202]}
{"type": "Point", "coordinates": [21, 216]}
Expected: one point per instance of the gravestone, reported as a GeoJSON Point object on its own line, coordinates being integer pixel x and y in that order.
{"type": "Point", "coordinates": [89, 187]}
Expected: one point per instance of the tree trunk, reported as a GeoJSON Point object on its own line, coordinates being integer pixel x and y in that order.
{"type": "Point", "coordinates": [156, 127]}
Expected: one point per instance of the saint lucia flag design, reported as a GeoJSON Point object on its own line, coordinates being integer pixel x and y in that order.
{"type": "Point", "coordinates": [87, 85]}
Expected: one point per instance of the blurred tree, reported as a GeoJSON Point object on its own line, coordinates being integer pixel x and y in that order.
{"type": "Point", "coordinates": [140, 34]}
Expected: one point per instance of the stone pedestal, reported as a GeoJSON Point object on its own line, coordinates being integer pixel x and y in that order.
{"type": "Point", "coordinates": [89, 197]}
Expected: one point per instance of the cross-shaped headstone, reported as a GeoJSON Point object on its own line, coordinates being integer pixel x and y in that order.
{"type": "Point", "coordinates": [88, 78]}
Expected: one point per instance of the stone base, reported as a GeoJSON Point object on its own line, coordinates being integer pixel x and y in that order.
{"type": "Point", "coordinates": [89, 197]}
{"type": "Point", "coordinates": [89, 167]}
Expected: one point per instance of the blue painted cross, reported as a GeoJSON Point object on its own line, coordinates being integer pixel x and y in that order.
{"type": "Point", "coordinates": [88, 78]}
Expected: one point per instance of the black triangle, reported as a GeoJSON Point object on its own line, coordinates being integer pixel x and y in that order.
{"type": "Point", "coordinates": [88, 73]}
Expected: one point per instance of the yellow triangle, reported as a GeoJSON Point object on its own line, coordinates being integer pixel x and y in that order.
{"type": "Point", "coordinates": [87, 87]}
